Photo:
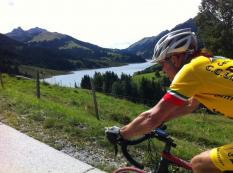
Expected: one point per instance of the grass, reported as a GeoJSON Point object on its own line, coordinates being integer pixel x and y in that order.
{"type": "Point", "coordinates": [149, 76]}
{"type": "Point", "coordinates": [72, 45]}
{"type": "Point", "coordinates": [67, 115]}
{"type": "Point", "coordinates": [47, 36]}
{"type": "Point", "coordinates": [44, 73]}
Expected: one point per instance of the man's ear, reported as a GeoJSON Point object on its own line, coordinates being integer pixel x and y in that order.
{"type": "Point", "coordinates": [177, 60]}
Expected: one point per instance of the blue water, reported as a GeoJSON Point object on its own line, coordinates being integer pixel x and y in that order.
{"type": "Point", "coordinates": [69, 80]}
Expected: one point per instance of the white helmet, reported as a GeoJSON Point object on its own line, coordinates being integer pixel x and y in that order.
{"type": "Point", "coordinates": [179, 41]}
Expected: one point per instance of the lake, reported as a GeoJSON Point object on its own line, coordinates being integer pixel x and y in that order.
{"type": "Point", "coordinates": [69, 80]}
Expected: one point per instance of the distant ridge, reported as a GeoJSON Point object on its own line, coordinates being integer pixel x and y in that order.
{"type": "Point", "coordinates": [23, 36]}
{"type": "Point", "coordinates": [145, 46]}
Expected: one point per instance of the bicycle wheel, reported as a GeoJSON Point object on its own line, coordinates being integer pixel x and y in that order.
{"type": "Point", "coordinates": [129, 170]}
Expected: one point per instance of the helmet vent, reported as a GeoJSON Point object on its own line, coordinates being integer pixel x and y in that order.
{"type": "Point", "coordinates": [169, 43]}
{"type": "Point", "coordinates": [181, 44]}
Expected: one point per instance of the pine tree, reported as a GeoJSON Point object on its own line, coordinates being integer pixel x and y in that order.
{"type": "Point", "coordinates": [86, 82]}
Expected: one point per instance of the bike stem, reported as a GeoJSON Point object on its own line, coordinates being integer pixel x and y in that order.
{"type": "Point", "coordinates": [167, 158]}
{"type": "Point", "coordinates": [166, 155]}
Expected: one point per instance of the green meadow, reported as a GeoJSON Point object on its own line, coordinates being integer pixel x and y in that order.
{"type": "Point", "coordinates": [66, 117]}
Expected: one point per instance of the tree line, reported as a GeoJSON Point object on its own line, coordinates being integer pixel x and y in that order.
{"type": "Point", "coordinates": [143, 91]}
{"type": "Point", "coordinates": [215, 26]}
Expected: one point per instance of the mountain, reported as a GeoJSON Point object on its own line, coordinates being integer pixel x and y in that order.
{"type": "Point", "coordinates": [23, 36]}
{"type": "Point", "coordinates": [71, 48]}
{"type": "Point", "coordinates": [14, 53]}
{"type": "Point", "coordinates": [8, 54]}
{"type": "Point", "coordinates": [58, 51]}
{"type": "Point", "coordinates": [41, 48]}
{"type": "Point", "coordinates": [145, 46]}
{"type": "Point", "coordinates": [7, 43]}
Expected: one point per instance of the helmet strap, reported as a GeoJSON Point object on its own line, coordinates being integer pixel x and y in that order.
{"type": "Point", "coordinates": [186, 59]}
{"type": "Point", "coordinates": [172, 64]}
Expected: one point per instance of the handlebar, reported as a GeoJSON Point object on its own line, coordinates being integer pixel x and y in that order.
{"type": "Point", "coordinates": [158, 133]}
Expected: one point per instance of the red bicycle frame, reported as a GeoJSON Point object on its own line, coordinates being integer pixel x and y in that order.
{"type": "Point", "coordinates": [176, 160]}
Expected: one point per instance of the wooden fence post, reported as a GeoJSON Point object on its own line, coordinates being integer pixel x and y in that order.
{"type": "Point", "coordinates": [38, 85]}
{"type": "Point", "coordinates": [94, 99]}
{"type": "Point", "coordinates": [1, 81]}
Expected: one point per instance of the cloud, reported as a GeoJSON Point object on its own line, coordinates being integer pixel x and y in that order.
{"type": "Point", "coordinates": [11, 3]}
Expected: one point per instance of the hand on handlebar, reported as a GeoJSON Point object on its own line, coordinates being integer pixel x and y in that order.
{"type": "Point", "coordinates": [113, 134]}
{"type": "Point", "coordinates": [114, 137]}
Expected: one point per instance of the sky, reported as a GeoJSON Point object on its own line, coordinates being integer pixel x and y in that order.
{"type": "Point", "coordinates": [106, 23]}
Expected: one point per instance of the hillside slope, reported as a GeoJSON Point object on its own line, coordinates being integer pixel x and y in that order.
{"type": "Point", "coordinates": [15, 53]}
{"type": "Point", "coordinates": [64, 118]}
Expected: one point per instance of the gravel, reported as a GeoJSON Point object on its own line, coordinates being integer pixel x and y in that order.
{"type": "Point", "coordinates": [93, 156]}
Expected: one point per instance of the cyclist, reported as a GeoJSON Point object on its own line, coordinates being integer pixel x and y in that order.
{"type": "Point", "coordinates": [195, 78]}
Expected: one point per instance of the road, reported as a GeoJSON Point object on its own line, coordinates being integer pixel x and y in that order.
{"type": "Point", "coordinates": [20, 153]}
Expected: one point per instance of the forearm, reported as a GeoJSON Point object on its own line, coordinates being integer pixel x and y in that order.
{"type": "Point", "coordinates": [154, 117]}
{"type": "Point", "coordinates": [147, 120]}
{"type": "Point", "coordinates": [141, 125]}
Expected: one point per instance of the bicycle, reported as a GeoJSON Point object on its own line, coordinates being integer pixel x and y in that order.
{"type": "Point", "coordinates": [167, 159]}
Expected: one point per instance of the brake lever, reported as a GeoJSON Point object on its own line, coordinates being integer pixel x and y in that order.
{"type": "Point", "coordinates": [116, 149]}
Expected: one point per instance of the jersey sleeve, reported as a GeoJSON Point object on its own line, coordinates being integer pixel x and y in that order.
{"type": "Point", "coordinates": [185, 85]}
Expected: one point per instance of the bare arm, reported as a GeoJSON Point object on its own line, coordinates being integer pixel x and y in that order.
{"type": "Point", "coordinates": [155, 116]}
{"type": "Point", "coordinates": [189, 107]}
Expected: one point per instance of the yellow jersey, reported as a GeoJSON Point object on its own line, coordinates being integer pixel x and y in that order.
{"type": "Point", "coordinates": [209, 80]}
